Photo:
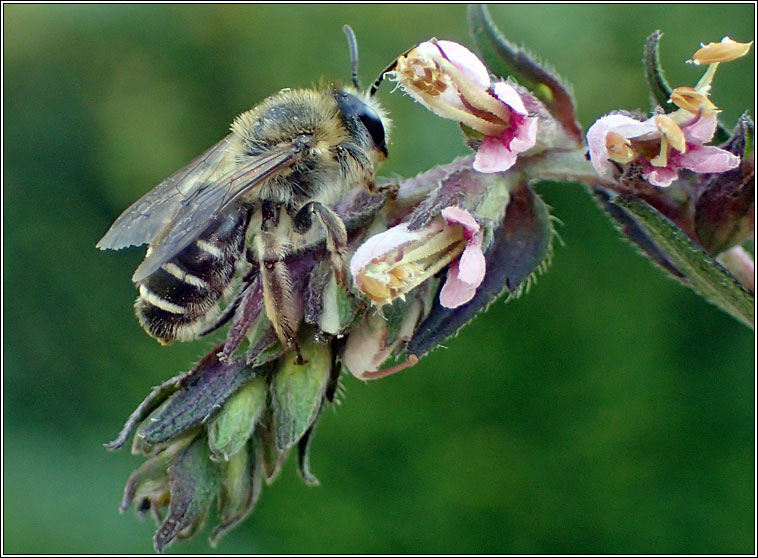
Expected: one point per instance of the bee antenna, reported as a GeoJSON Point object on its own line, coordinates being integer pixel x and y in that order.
{"type": "Point", "coordinates": [352, 43]}
{"type": "Point", "coordinates": [386, 70]}
{"type": "Point", "coordinates": [378, 82]}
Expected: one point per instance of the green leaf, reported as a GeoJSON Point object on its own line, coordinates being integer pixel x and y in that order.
{"type": "Point", "coordinates": [503, 58]}
{"type": "Point", "coordinates": [706, 276]}
{"type": "Point", "coordinates": [630, 227]}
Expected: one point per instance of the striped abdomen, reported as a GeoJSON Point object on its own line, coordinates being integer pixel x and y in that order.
{"type": "Point", "coordinates": [182, 296]}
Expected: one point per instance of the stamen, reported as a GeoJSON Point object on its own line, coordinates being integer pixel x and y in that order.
{"type": "Point", "coordinates": [671, 131]}
{"type": "Point", "coordinates": [725, 51]}
{"type": "Point", "coordinates": [374, 289]}
{"type": "Point", "coordinates": [428, 79]}
{"type": "Point", "coordinates": [704, 84]}
{"type": "Point", "coordinates": [661, 160]}
{"type": "Point", "coordinates": [619, 148]}
{"type": "Point", "coordinates": [692, 101]}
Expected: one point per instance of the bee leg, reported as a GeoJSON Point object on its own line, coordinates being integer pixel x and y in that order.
{"type": "Point", "coordinates": [279, 303]}
{"type": "Point", "coordinates": [277, 284]}
{"type": "Point", "coordinates": [388, 189]}
{"type": "Point", "coordinates": [336, 234]}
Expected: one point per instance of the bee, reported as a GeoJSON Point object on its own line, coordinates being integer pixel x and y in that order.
{"type": "Point", "coordinates": [255, 193]}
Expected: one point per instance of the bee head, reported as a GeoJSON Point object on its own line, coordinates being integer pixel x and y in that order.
{"type": "Point", "coordinates": [354, 110]}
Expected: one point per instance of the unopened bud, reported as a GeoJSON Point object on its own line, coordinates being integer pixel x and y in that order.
{"type": "Point", "coordinates": [297, 392]}
{"type": "Point", "coordinates": [233, 426]}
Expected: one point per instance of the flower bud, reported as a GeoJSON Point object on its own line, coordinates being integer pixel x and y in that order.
{"type": "Point", "coordinates": [452, 82]}
{"type": "Point", "coordinates": [327, 303]}
{"type": "Point", "coordinates": [194, 481]}
{"type": "Point", "coordinates": [232, 427]}
{"type": "Point", "coordinates": [740, 263]}
{"type": "Point", "coordinates": [240, 488]}
{"type": "Point", "coordinates": [298, 390]}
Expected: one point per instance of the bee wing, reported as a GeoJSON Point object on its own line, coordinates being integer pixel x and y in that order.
{"type": "Point", "coordinates": [208, 200]}
{"type": "Point", "coordinates": [146, 217]}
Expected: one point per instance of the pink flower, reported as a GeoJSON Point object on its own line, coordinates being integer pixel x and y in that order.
{"type": "Point", "coordinates": [660, 145]}
{"type": "Point", "coordinates": [467, 272]}
{"type": "Point", "coordinates": [390, 264]}
{"type": "Point", "coordinates": [452, 82]}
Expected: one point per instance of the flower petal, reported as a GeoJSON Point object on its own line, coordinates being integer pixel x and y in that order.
{"type": "Point", "coordinates": [472, 265]}
{"type": "Point", "coordinates": [526, 136]}
{"type": "Point", "coordinates": [493, 156]}
{"type": "Point", "coordinates": [660, 176]}
{"type": "Point", "coordinates": [506, 93]}
{"type": "Point", "coordinates": [381, 244]}
{"type": "Point", "coordinates": [700, 130]}
{"type": "Point", "coordinates": [596, 138]}
{"type": "Point", "coordinates": [466, 61]}
{"type": "Point", "coordinates": [707, 158]}
{"type": "Point", "coordinates": [455, 292]}
{"type": "Point", "coordinates": [457, 216]}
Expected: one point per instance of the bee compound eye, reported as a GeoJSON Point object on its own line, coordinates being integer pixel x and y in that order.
{"type": "Point", "coordinates": [353, 106]}
{"type": "Point", "coordinates": [374, 125]}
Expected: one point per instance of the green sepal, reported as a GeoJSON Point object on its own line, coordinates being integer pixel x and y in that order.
{"type": "Point", "coordinates": [660, 90]}
{"type": "Point", "coordinates": [705, 276]}
{"type": "Point", "coordinates": [194, 481]}
{"type": "Point", "coordinates": [473, 137]}
{"type": "Point", "coordinates": [303, 462]}
{"type": "Point", "coordinates": [272, 458]}
{"type": "Point", "coordinates": [148, 406]}
{"type": "Point", "coordinates": [521, 246]}
{"type": "Point", "coordinates": [233, 426]}
{"type": "Point", "coordinates": [297, 392]}
{"type": "Point", "coordinates": [200, 399]}
{"type": "Point", "coordinates": [240, 488]}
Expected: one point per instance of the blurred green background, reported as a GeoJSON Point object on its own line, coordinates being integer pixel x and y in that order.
{"type": "Point", "coordinates": [609, 411]}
